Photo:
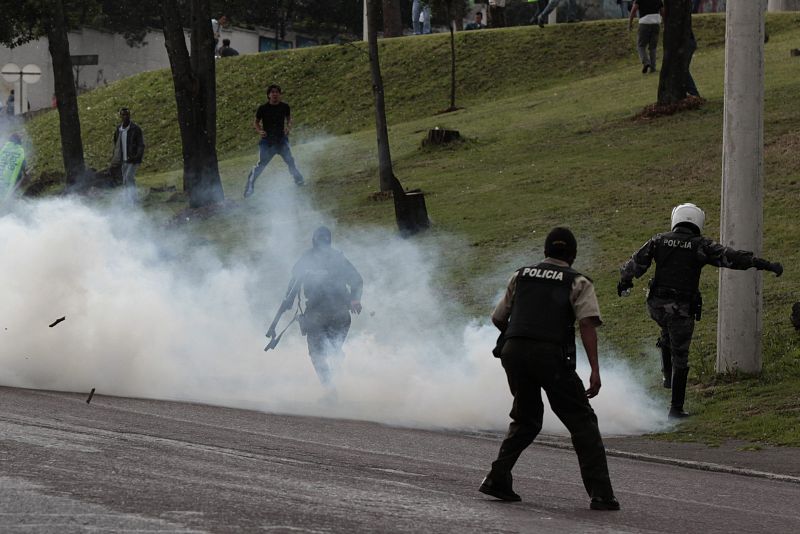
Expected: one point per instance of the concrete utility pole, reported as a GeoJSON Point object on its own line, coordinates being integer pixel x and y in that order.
{"type": "Point", "coordinates": [365, 34]}
{"type": "Point", "coordinates": [784, 5]}
{"type": "Point", "coordinates": [739, 323]}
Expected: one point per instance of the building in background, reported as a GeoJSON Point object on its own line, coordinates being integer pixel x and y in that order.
{"type": "Point", "coordinates": [117, 60]}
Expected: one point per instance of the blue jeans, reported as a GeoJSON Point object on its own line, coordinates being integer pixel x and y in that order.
{"type": "Point", "coordinates": [129, 181]}
{"type": "Point", "coordinates": [551, 5]}
{"type": "Point", "coordinates": [267, 152]}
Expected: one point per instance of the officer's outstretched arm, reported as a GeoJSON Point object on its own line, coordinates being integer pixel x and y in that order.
{"type": "Point", "coordinates": [588, 327]}
{"type": "Point", "coordinates": [765, 265]}
{"type": "Point", "coordinates": [713, 253]}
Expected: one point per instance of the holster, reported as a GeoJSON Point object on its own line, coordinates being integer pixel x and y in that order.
{"type": "Point", "coordinates": [697, 306]}
{"type": "Point", "coordinates": [497, 351]}
{"type": "Point", "coordinates": [569, 357]}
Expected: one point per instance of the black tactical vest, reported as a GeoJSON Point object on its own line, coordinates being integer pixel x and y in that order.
{"type": "Point", "coordinates": [542, 309]}
{"type": "Point", "coordinates": [677, 265]}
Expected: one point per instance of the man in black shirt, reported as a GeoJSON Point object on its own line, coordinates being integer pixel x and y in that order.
{"type": "Point", "coordinates": [226, 50]}
{"type": "Point", "coordinates": [273, 122]}
{"type": "Point", "coordinates": [650, 13]}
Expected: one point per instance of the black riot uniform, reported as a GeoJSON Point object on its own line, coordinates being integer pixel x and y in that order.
{"type": "Point", "coordinates": [674, 299]}
{"type": "Point", "coordinates": [332, 288]}
{"type": "Point", "coordinates": [537, 317]}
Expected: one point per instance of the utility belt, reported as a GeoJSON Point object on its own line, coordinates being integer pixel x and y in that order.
{"type": "Point", "coordinates": [695, 299]}
{"type": "Point", "coordinates": [568, 350]}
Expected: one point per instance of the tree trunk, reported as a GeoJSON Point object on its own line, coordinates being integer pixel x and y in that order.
{"type": "Point", "coordinates": [194, 79]}
{"type": "Point", "coordinates": [392, 19]}
{"type": "Point", "coordinates": [677, 52]}
{"type": "Point", "coordinates": [277, 24]}
{"type": "Point", "coordinates": [452, 63]}
{"type": "Point", "coordinates": [388, 181]}
{"type": "Point", "coordinates": [67, 97]}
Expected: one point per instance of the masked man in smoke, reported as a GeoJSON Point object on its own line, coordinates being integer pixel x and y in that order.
{"type": "Point", "coordinates": [537, 317]}
{"type": "Point", "coordinates": [674, 300]}
{"type": "Point", "coordinates": [332, 288]}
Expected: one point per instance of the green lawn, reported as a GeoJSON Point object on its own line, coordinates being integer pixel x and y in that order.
{"type": "Point", "coordinates": [549, 139]}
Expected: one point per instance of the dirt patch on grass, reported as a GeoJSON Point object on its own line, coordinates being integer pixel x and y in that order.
{"type": "Point", "coordinates": [44, 184]}
{"type": "Point", "coordinates": [206, 212]}
{"type": "Point", "coordinates": [654, 111]}
{"type": "Point", "coordinates": [785, 151]}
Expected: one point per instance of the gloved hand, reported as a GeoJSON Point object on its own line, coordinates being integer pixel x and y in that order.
{"type": "Point", "coordinates": [623, 287]}
{"type": "Point", "coordinates": [764, 265]}
{"type": "Point", "coordinates": [776, 268]}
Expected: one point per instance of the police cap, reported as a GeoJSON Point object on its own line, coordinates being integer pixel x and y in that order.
{"type": "Point", "coordinates": [561, 244]}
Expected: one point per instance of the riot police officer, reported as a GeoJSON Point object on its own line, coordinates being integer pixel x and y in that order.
{"type": "Point", "coordinates": [537, 317]}
{"type": "Point", "coordinates": [332, 288]}
{"type": "Point", "coordinates": [674, 299]}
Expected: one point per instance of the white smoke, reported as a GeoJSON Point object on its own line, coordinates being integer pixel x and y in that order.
{"type": "Point", "coordinates": [152, 313]}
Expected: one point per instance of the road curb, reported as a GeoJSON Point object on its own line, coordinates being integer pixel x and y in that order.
{"type": "Point", "coordinates": [690, 464]}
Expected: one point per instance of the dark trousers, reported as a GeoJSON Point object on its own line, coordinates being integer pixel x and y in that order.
{"type": "Point", "coordinates": [647, 44]}
{"type": "Point", "coordinates": [677, 328]}
{"type": "Point", "coordinates": [325, 335]}
{"type": "Point", "coordinates": [531, 367]}
{"type": "Point", "coordinates": [267, 152]}
{"type": "Point", "coordinates": [691, 87]}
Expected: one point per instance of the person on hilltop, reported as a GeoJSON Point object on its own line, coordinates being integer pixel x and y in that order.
{"type": "Point", "coordinates": [273, 123]}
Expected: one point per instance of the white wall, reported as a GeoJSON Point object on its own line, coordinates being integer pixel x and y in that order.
{"type": "Point", "coordinates": [116, 60]}
{"type": "Point", "coordinates": [784, 5]}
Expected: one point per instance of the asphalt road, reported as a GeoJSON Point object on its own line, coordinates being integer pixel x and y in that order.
{"type": "Point", "coordinates": [129, 465]}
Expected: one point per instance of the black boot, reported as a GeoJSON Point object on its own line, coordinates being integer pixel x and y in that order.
{"type": "Point", "coordinates": [666, 361]}
{"type": "Point", "coordinates": [679, 378]}
{"type": "Point", "coordinates": [499, 486]}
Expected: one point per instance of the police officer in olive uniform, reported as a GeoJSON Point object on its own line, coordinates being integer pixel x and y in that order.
{"type": "Point", "coordinates": [332, 287]}
{"type": "Point", "coordinates": [674, 300]}
{"type": "Point", "coordinates": [537, 318]}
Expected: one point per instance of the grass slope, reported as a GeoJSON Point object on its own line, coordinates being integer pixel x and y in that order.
{"type": "Point", "coordinates": [549, 140]}
{"type": "Point", "coordinates": [330, 90]}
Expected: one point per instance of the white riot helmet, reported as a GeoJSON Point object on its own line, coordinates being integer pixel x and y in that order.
{"type": "Point", "coordinates": [688, 213]}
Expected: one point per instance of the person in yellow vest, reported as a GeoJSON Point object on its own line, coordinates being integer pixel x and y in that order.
{"type": "Point", "coordinates": [12, 167]}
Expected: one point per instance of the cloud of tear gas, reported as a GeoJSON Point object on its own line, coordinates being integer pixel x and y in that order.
{"type": "Point", "coordinates": [151, 313]}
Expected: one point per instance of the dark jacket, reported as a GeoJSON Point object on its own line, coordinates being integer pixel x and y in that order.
{"type": "Point", "coordinates": [135, 144]}
{"type": "Point", "coordinates": [329, 281]}
{"type": "Point", "coordinates": [680, 255]}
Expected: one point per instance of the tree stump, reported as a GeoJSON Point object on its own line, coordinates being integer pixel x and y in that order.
{"type": "Point", "coordinates": [411, 212]}
{"type": "Point", "coordinates": [441, 136]}
{"type": "Point", "coordinates": [795, 317]}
